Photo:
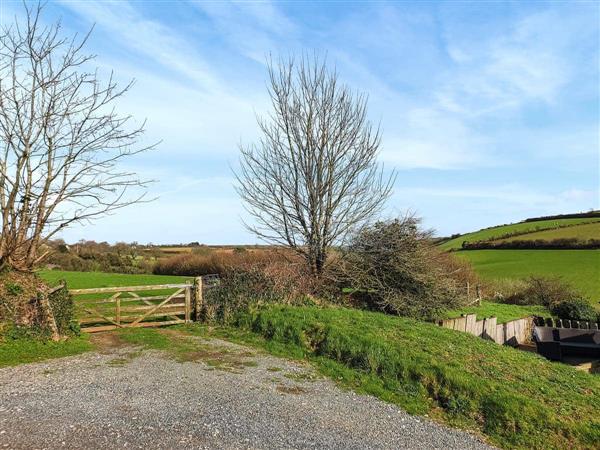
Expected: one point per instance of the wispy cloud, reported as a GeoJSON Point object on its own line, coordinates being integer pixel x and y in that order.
{"type": "Point", "coordinates": [507, 100]}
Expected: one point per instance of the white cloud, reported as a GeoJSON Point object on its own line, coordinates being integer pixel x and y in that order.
{"type": "Point", "coordinates": [255, 28]}
{"type": "Point", "coordinates": [431, 139]}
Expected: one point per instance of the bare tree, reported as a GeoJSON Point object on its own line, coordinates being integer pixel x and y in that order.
{"type": "Point", "coordinates": [61, 140]}
{"type": "Point", "coordinates": [313, 176]}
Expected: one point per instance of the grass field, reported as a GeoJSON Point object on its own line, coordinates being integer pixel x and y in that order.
{"type": "Point", "coordinates": [491, 233]}
{"type": "Point", "coordinates": [581, 268]}
{"type": "Point", "coordinates": [503, 312]}
{"type": "Point", "coordinates": [583, 232]}
{"type": "Point", "coordinates": [517, 399]}
{"type": "Point", "coordinates": [86, 280]}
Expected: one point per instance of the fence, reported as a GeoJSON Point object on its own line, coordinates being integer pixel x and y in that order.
{"type": "Point", "coordinates": [140, 306]}
{"type": "Point", "coordinates": [511, 333]}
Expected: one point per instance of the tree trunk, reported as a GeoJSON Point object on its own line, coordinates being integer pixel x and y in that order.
{"type": "Point", "coordinates": [49, 316]}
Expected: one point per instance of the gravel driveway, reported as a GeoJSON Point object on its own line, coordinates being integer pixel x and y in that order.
{"type": "Point", "coordinates": [225, 396]}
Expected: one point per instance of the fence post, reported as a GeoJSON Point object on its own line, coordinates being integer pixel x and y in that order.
{"type": "Point", "coordinates": [188, 301]}
{"type": "Point", "coordinates": [118, 310]}
{"type": "Point", "coordinates": [197, 298]}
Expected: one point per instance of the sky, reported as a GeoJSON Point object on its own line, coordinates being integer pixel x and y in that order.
{"type": "Point", "coordinates": [489, 110]}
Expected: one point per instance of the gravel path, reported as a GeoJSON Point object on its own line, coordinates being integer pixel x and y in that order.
{"type": "Point", "coordinates": [225, 396]}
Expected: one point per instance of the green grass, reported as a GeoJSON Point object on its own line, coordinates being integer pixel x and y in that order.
{"type": "Point", "coordinates": [580, 268]}
{"type": "Point", "coordinates": [503, 312]}
{"type": "Point", "coordinates": [28, 350]}
{"type": "Point", "coordinates": [517, 399]}
{"type": "Point", "coordinates": [495, 232]}
{"type": "Point", "coordinates": [582, 232]}
{"type": "Point", "coordinates": [87, 280]}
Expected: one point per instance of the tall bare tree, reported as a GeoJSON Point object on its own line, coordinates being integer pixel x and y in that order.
{"type": "Point", "coordinates": [61, 139]}
{"type": "Point", "coordinates": [313, 176]}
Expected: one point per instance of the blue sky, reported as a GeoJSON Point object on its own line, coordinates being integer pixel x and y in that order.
{"type": "Point", "coordinates": [489, 110]}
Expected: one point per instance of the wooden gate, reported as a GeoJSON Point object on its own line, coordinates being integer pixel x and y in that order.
{"type": "Point", "coordinates": [110, 308]}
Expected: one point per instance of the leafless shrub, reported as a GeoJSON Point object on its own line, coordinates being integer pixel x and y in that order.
{"type": "Point", "coordinates": [394, 266]}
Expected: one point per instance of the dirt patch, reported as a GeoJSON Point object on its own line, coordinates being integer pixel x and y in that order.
{"type": "Point", "coordinates": [107, 342]}
{"type": "Point", "coordinates": [296, 390]}
{"type": "Point", "coordinates": [220, 358]}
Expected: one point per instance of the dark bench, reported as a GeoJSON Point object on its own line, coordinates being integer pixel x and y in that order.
{"type": "Point", "coordinates": [554, 343]}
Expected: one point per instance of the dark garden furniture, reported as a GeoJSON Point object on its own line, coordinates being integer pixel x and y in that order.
{"type": "Point", "coordinates": [555, 343]}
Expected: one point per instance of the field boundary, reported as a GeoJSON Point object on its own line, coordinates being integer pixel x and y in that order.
{"type": "Point", "coordinates": [511, 333]}
{"type": "Point", "coordinates": [128, 307]}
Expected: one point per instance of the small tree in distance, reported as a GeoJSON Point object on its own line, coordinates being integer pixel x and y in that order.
{"type": "Point", "coordinates": [313, 177]}
{"type": "Point", "coordinates": [62, 140]}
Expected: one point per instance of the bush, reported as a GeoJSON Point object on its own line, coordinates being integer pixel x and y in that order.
{"type": "Point", "coordinates": [21, 296]}
{"type": "Point", "coordinates": [541, 291]}
{"type": "Point", "coordinates": [395, 267]}
{"type": "Point", "coordinates": [237, 290]}
{"type": "Point", "coordinates": [215, 262]}
{"type": "Point", "coordinates": [574, 309]}
{"type": "Point", "coordinates": [63, 309]}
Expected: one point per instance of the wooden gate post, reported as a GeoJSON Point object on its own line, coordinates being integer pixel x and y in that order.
{"type": "Point", "coordinates": [198, 298]}
{"type": "Point", "coordinates": [188, 304]}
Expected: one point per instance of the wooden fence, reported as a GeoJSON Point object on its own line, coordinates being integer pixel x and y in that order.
{"type": "Point", "coordinates": [511, 333]}
{"type": "Point", "coordinates": [139, 306]}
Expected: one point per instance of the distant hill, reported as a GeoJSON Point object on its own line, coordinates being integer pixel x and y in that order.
{"type": "Point", "coordinates": [580, 226]}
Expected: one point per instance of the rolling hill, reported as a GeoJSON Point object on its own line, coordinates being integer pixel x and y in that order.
{"type": "Point", "coordinates": [580, 268]}
{"type": "Point", "coordinates": [525, 230]}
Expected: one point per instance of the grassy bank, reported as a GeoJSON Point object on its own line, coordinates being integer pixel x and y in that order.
{"type": "Point", "coordinates": [517, 399]}
{"type": "Point", "coordinates": [581, 268]}
{"type": "Point", "coordinates": [28, 350]}
{"type": "Point", "coordinates": [503, 312]}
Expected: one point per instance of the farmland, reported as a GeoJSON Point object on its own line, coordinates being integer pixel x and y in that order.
{"type": "Point", "coordinates": [521, 227]}
{"type": "Point", "coordinates": [86, 280]}
{"type": "Point", "coordinates": [582, 231]}
{"type": "Point", "coordinates": [581, 268]}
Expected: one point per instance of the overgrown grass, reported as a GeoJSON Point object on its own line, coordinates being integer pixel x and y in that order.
{"type": "Point", "coordinates": [502, 311]}
{"type": "Point", "coordinates": [495, 232]}
{"type": "Point", "coordinates": [28, 350]}
{"type": "Point", "coordinates": [517, 399]}
{"type": "Point", "coordinates": [580, 268]}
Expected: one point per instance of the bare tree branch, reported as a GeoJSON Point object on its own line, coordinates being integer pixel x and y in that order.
{"type": "Point", "coordinates": [313, 177]}
{"type": "Point", "coordinates": [62, 140]}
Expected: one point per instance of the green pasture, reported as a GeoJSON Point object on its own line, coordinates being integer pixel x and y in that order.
{"type": "Point", "coordinates": [503, 312]}
{"type": "Point", "coordinates": [88, 280]}
{"type": "Point", "coordinates": [495, 232]}
{"type": "Point", "coordinates": [580, 268]}
{"type": "Point", "coordinates": [583, 232]}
